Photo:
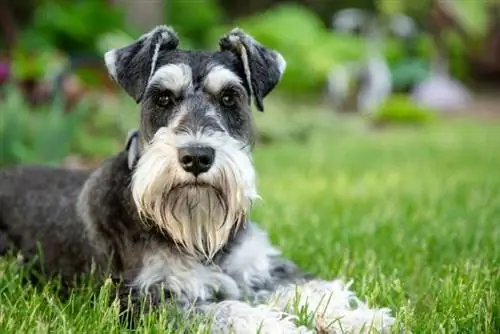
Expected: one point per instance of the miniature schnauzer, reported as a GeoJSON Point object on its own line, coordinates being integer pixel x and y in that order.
{"type": "Point", "coordinates": [169, 215]}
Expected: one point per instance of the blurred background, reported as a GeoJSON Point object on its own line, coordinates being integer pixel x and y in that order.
{"type": "Point", "coordinates": [381, 62]}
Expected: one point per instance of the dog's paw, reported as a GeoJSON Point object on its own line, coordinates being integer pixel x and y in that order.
{"type": "Point", "coordinates": [333, 307]}
{"type": "Point", "coordinates": [237, 317]}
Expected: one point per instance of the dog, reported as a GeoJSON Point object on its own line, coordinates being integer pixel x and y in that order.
{"type": "Point", "coordinates": [169, 214]}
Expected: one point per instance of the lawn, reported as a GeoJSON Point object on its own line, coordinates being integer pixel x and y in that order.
{"type": "Point", "coordinates": [411, 215]}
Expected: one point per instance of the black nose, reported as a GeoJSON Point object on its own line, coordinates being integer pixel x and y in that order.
{"type": "Point", "coordinates": [196, 159]}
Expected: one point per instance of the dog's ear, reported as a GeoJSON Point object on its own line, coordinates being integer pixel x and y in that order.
{"type": "Point", "coordinates": [132, 66]}
{"type": "Point", "coordinates": [263, 67]}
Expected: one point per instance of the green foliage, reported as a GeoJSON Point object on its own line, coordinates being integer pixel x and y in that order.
{"type": "Point", "coordinates": [419, 10]}
{"type": "Point", "coordinates": [313, 50]}
{"type": "Point", "coordinates": [391, 6]}
{"type": "Point", "coordinates": [193, 20]}
{"type": "Point", "coordinates": [280, 123]}
{"type": "Point", "coordinates": [41, 64]}
{"type": "Point", "coordinates": [473, 16]}
{"type": "Point", "coordinates": [60, 29]}
{"type": "Point", "coordinates": [113, 39]}
{"type": "Point", "coordinates": [310, 49]}
{"type": "Point", "coordinates": [409, 72]}
{"type": "Point", "coordinates": [400, 109]}
{"type": "Point", "coordinates": [43, 135]}
{"type": "Point", "coordinates": [71, 26]}
{"type": "Point", "coordinates": [458, 55]}
{"type": "Point", "coordinates": [104, 128]}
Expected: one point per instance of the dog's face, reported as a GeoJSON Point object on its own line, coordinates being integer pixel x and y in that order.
{"type": "Point", "coordinates": [195, 178]}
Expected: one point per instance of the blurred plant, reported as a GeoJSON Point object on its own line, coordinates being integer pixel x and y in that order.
{"type": "Point", "coordinates": [34, 72]}
{"type": "Point", "coordinates": [313, 51]}
{"type": "Point", "coordinates": [71, 26]}
{"type": "Point", "coordinates": [297, 122]}
{"type": "Point", "coordinates": [104, 128]}
{"type": "Point", "coordinates": [5, 71]}
{"type": "Point", "coordinates": [31, 64]}
{"type": "Point", "coordinates": [413, 65]}
{"type": "Point", "coordinates": [193, 21]}
{"type": "Point", "coordinates": [458, 49]}
{"type": "Point", "coordinates": [113, 39]}
{"type": "Point", "coordinates": [43, 137]}
{"type": "Point", "coordinates": [400, 109]}
{"type": "Point", "coordinates": [64, 36]}
{"type": "Point", "coordinates": [309, 48]}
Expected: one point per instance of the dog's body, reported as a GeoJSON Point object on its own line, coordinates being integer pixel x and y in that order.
{"type": "Point", "coordinates": [37, 209]}
{"type": "Point", "coordinates": [169, 216]}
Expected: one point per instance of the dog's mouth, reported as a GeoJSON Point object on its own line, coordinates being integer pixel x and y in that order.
{"type": "Point", "coordinates": [196, 184]}
{"type": "Point", "coordinates": [194, 189]}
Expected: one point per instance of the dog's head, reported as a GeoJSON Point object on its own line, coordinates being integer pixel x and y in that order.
{"type": "Point", "coordinates": [194, 178]}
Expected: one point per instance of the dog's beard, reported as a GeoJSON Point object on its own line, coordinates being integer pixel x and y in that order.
{"type": "Point", "coordinates": [198, 214]}
{"type": "Point", "coordinates": [199, 218]}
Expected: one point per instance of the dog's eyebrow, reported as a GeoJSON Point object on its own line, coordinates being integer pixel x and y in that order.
{"type": "Point", "coordinates": [220, 77]}
{"type": "Point", "coordinates": [174, 77]}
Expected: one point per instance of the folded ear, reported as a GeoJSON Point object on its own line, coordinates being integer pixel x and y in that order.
{"type": "Point", "coordinates": [132, 66]}
{"type": "Point", "coordinates": [263, 67]}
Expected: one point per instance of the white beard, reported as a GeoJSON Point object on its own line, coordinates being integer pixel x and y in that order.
{"type": "Point", "coordinates": [199, 214]}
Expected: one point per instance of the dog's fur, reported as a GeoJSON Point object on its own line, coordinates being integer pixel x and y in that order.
{"type": "Point", "coordinates": [145, 217]}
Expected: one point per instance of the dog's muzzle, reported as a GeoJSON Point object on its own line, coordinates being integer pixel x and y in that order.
{"type": "Point", "coordinates": [196, 188]}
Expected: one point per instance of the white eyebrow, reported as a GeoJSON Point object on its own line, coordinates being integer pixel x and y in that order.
{"type": "Point", "coordinates": [174, 77]}
{"type": "Point", "coordinates": [218, 77]}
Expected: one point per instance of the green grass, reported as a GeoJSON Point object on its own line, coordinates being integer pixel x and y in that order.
{"type": "Point", "coordinates": [411, 215]}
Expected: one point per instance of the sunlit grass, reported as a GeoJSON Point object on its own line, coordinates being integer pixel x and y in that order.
{"type": "Point", "coordinates": [411, 215]}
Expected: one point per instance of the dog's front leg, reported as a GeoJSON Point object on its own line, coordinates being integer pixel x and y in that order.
{"type": "Point", "coordinates": [228, 316]}
{"type": "Point", "coordinates": [134, 302]}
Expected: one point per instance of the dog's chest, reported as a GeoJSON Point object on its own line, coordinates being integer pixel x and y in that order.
{"type": "Point", "coordinates": [245, 268]}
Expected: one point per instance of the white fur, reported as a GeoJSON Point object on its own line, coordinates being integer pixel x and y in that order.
{"type": "Point", "coordinates": [190, 279]}
{"type": "Point", "coordinates": [246, 66]}
{"type": "Point", "coordinates": [155, 59]}
{"type": "Point", "coordinates": [249, 261]}
{"type": "Point", "coordinates": [281, 63]}
{"type": "Point", "coordinates": [206, 228]}
{"type": "Point", "coordinates": [218, 77]}
{"type": "Point", "coordinates": [335, 308]}
{"type": "Point", "coordinates": [166, 32]}
{"type": "Point", "coordinates": [238, 317]}
{"type": "Point", "coordinates": [236, 42]}
{"type": "Point", "coordinates": [174, 77]}
{"type": "Point", "coordinates": [187, 278]}
{"type": "Point", "coordinates": [110, 61]}
{"type": "Point", "coordinates": [133, 147]}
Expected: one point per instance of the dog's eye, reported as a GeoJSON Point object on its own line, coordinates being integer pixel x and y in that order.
{"type": "Point", "coordinates": [164, 99]}
{"type": "Point", "coordinates": [228, 99]}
